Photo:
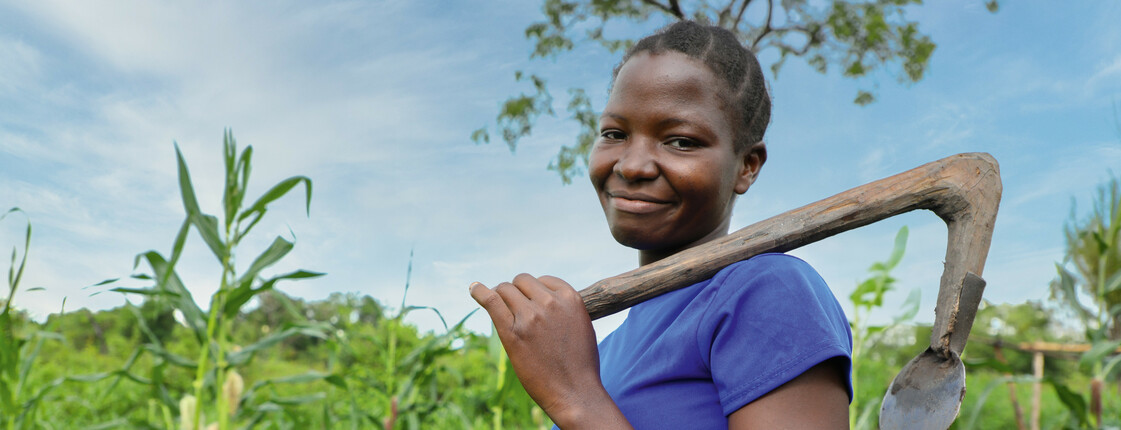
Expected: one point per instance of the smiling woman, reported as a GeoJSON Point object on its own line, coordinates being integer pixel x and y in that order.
{"type": "Point", "coordinates": [666, 158]}
{"type": "Point", "coordinates": [763, 343]}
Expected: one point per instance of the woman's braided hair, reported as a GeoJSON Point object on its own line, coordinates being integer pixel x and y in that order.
{"type": "Point", "coordinates": [730, 61]}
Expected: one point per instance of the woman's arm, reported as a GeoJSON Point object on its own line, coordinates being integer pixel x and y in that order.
{"type": "Point", "coordinates": [816, 399]}
{"type": "Point", "coordinates": [548, 335]}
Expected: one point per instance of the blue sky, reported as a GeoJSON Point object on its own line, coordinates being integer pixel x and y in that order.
{"type": "Point", "coordinates": [375, 101]}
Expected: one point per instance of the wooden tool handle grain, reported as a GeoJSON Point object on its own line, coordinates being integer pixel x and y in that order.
{"type": "Point", "coordinates": [951, 187]}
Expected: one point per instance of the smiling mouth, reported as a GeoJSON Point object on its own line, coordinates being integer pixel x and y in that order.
{"type": "Point", "coordinates": [635, 203]}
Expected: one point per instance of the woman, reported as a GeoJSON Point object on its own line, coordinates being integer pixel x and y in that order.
{"type": "Point", "coordinates": [762, 344]}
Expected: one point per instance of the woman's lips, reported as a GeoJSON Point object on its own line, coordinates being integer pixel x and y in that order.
{"type": "Point", "coordinates": [636, 203]}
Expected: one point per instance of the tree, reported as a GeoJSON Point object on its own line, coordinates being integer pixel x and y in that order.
{"type": "Point", "coordinates": [854, 36]}
{"type": "Point", "coordinates": [1094, 251]}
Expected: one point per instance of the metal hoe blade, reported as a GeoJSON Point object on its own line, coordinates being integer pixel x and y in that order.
{"type": "Point", "coordinates": [927, 393]}
{"type": "Point", "coordinates": [964, 190]}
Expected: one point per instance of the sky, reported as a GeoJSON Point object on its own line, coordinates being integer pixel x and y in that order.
{"type": "Point", "coordinates": [376, 101]}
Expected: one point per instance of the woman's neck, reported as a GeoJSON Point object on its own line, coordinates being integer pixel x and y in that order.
{"type": "Point", "coordinates": [648, 256]}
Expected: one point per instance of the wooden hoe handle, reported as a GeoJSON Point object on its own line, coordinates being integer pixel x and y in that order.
{"type": "Point", "coordinates": [963, 189]}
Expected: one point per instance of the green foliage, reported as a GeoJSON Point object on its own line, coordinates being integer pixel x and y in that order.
{"type": "Point", "coordinates": [373, 363]}
{"type": "Point", "coordinates": [1008, 324]}
{"type": "Point", "coordinates": [342, 363]}
{"type": "Point", "coordinates": [1094, 251]}
{"type": "Point", "coordinates": [22, 392]}
{"type": "Point", "coordinates": [519, 113]}
{"type": "Point", "coordinates": [216, 390]}
{"type": "Point", "coordinates": [565, 164]}
{"type": "Point", "coordinates": [17, 351]}
{"type": "Point", "coordinates": [857, 37]}
{"type": "Point", "coordinates": [348, 362]}
{"type": "Point", "coordinates": [868, 296]}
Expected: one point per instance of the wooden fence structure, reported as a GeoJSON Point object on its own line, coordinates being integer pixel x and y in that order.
{"type": "Point", "coordinates": [1038, 350]}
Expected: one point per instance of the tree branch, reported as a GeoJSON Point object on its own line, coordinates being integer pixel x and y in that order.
{"type": "Point", "coordinates": [743, 7]}
{"type": "Point", "coordinates": [811, 39]}
{"type": "Point", "coordinates": [676, 9]}
{"type": "Point", "coordinates": [766, 25]}
{"type": "Point", "coordinates": [672, 8]}
{"type": "Point", "coordinates": [800, 51]}
{"type": "Point", "coordinates": [722, 17]}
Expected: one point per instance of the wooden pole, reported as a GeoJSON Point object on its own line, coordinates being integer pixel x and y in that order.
{"type": "Point", "coordinates": [1011, 391]}
{"type": "Point", "coordinates": [964, 190]}
{"type": "Point", "coordinates": [1037, 388]}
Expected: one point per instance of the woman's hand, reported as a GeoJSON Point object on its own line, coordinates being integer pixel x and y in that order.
{"type": "Point", "coordinates": [549, 337]}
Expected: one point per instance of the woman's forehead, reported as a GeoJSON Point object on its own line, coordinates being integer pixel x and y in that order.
{"type": "Point", "coordinates": [666, 83]}
{"type": "Point", "coordinates": [666, 70]}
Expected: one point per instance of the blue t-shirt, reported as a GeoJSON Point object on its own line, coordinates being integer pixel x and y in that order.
{"type": "Point", "coordinates": [689, 358]}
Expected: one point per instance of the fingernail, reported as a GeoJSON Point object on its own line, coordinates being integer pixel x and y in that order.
{"type": "Point", "coordinates": [473, 284]}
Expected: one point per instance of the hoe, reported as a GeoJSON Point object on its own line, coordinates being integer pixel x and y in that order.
{"type": "Point", "coordinates": [964, 190]}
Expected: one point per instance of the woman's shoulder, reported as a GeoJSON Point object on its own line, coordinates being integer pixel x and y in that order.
{"type": "Point", "coordinates": [771, 318]}
{"type": "Point", "coordinates": [771, 260]}
{"type": "Point", "coordinates": [773, 286]}
{"type": "Point", "coordinates": [771, 268]}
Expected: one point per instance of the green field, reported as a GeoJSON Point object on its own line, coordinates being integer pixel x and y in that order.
{"type": "Point", "coordinates": [252, 357]}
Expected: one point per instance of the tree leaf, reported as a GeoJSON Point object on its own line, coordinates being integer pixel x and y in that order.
{"type": "Point", "coordinates": [898, 248]}
{"type": "Point", "coordinates": [105, 282]}
{"type": "Point", "coordinates": [243, 356]}
{"type": "Point", "coordinates": [16, 274]}
{"type": "Point", "coordinates": [1065, 288]}
{"type": "Point", "coordinates": [910, 307]}
{"type": "Point", "coordinates": [299, 400]}
{"type": "Point", "coordinates": [186, 190]}
{"type": "Point", "coordinates": [480, 136]}
{"type": "Point", "coordinates": [301, 378]}
{"type": "Point", "coordinates": [144, 291]}
{"type": "Point", "coordinates": [207, 226]}
{"type": "Point", "coordinates": [1097, 352]}
{"type": "Point", "coordinates": [1113, 283]}
{"type": "Point", "coordinates": [259, 207]}
{"type": "Point", "coordinates": [336, 380]}
{"type": "Point", "coordinates": [863, 98]}
{"type": "Point", "coordinates": [1074, 403]}
{"type": "Point", "coordinates": [230, 192]}
{"type": "Point", "coordinates": [192, 315]}
{"type": "Point", "coordinates": [238, 296]}
{"type": "Point", "coordinates": [270, 256]}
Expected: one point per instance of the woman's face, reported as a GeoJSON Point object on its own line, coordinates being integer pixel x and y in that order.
{"type": "Point", "coordinates": [664, 166]}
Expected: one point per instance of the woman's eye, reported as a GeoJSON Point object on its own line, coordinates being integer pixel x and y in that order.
{"type": "Point", "coordinates": [612, 135]}
{"type": "Point", "coordinates": [682, 143]}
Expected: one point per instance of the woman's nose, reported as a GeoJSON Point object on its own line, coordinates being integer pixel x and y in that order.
{"type": "Point", "coordinates": [637, 162]}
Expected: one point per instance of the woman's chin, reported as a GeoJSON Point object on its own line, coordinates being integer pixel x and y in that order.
{"type": "Point", "coordinates": [638, 241]}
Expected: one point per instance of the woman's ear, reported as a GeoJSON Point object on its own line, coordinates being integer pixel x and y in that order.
{"type": "Point", "coordinates": [753, 158]}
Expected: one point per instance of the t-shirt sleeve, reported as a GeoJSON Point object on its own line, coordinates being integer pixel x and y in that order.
{"type": "Point", "coordinates": [771, 319]}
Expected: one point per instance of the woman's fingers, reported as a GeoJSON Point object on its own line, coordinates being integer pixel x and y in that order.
{"type": "Point", "coordinates": [515, 299]}
{"type": "Point", "coordinates": [554, 283]}
{"type": "Point", "coordinates": [526, 299]}
{"type": "Point", "coordinates": [533, 288]}
{"type": "Point", "coordinates": [493, 303]}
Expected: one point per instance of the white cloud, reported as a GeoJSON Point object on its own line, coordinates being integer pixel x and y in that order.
{"type": "Point", "coordinates": [872, 166]}
{"type": "Point", "coordinates": [376, 108]}
{"type": "Point", "coordinates": [20, 64]}
{"type": "Point", "coordinates": [1106, 78]}
{"type": "Point", "coordinates": [1067, 174]}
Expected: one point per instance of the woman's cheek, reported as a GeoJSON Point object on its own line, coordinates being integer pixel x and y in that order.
{"type": "Point", "coordinates": [599, 165]}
